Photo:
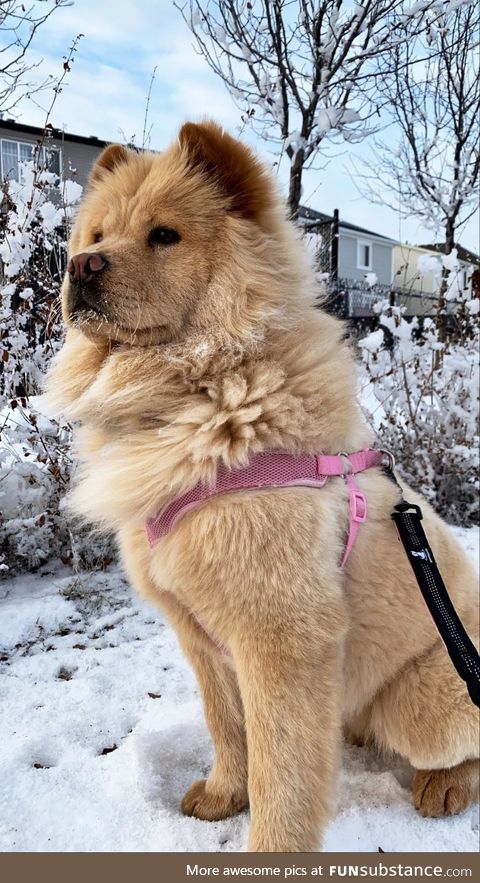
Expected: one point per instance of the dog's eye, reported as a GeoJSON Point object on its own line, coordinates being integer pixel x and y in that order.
{"type": "Point", "coordinates": [97, 237]}
{"type": "Point", "coordinates": [163, 236]}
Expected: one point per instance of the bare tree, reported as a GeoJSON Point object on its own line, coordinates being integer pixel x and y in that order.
{"type": "Point", "coordinates": [432, 170]}
{"type": "Point", "coordinates": [302, 70]}
{"type": "Point", "coordinates": [19, 23]}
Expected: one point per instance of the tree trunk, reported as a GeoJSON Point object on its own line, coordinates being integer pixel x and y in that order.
{"type": "Point", "coordinates": [295, 187]}
{"type": "Point", "coordinates": [442, 299]}
{"type": "Point", "coordinates": [449, 236]}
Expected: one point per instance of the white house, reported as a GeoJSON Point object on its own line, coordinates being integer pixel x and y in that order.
{"type": "Point", "coordinates": [418, 268]}
{"type": "Point", "coordinates": [361, 253]}
{"type": "Point", "coordinates": [363, 266]}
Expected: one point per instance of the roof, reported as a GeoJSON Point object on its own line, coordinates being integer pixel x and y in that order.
{"type": "Point", "coordinates": [463, 254]}
{"type": "Point", "coordinates": [57, 134]}
{"type": "Point", "coordinates": [309, 214]}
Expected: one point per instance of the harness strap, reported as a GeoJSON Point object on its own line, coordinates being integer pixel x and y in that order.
{"type": "Point", "coordinates": [462, 652]}
{"type": "Point", "coordinates": [275, 469]}
{"type": "Point", "coordinates": [357, 505]}
{"type": "Point", "coordinates": [342, 463]}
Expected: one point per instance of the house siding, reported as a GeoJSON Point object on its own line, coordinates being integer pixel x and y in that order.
{"type": "Point", "coordinates": [77, 158]}
{"type": "Point", "coordinates": [381, 258]}
{"type": "Point", "coordinates": [408, 278]}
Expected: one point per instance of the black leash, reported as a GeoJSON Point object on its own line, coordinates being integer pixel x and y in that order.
{"type": "Point", "coordinates": [463, 653]}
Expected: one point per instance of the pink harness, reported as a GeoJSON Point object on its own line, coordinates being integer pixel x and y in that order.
{"type": "Point", "coordinates": [273, 469]}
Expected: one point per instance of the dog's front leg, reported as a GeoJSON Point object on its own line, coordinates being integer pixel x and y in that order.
{"type": "Point", "coordinates": [291, 692]}
{"type": "Point", "coordinates": [224, 792]}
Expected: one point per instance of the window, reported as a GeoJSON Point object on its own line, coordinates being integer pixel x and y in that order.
{"type": "Point", "coordinates": [10, 160]}
{"type": "Point", "coordinates": [52, 160]}
{"type": "Point", "coordinates": [364, 254]}
{"type": "Point", "coordinates": [13, 153]}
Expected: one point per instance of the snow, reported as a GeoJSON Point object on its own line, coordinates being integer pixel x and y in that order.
{"type": "Point", "coordinates": [51, 216]}
{"type": "Point", "coordinates": [71, 192]}
{"type": "Point", "coordinates": [427, 263]}
{"type": "Point", "coordinates": [426, 408]}
{"type": "Point", "coordinates": [473, 307]}
{"type": "Point", "coordinates": [335, 117]}
{"type": "Point", "coordinates": [103, 731]}
{"type": "Point", "coordinates": [371, 279]}
{"type": "Point", "coordinates": [373, 341]}
{"type": "Point", "coordinates": [450, 261]}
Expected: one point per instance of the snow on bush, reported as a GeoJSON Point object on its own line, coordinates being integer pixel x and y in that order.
{"type": "Point", "coordinates": [426, 391]}
{"type": "Point", "coordinates": [34, 470]}
{"type": "Point", "coordinates": [35, 461]}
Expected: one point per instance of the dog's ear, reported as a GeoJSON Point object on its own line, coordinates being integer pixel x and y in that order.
{"type": "Point", "coordinates": [231, 165]}
{"type": "Point", "coordinates": [114, 155]}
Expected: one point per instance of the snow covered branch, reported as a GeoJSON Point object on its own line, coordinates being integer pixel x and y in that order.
{"type": "Point", "coordinates": [19, 24]}
{"type": "Point", "coordinates": [425, 408]}
{"type": "Point", "coordinates": [305, 73]}
{"type": "Point", "coordinates": [432, 171]}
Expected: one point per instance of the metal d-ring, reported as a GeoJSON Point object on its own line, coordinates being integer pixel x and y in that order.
{"type": "Point", "coordinates": [390, 464]}
{"type": "Point", "coordinates": [346, 462]}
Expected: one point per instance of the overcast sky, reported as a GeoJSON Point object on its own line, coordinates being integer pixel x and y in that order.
{"type": "Point", "coordinates": [105, 95]}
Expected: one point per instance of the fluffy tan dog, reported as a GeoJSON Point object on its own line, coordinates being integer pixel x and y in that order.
{"type": "Point", "coordinates": [192, 339]}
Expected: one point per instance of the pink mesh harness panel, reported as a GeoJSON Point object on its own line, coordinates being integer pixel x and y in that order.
{"type": "Point", "coordinates": [274, 469]}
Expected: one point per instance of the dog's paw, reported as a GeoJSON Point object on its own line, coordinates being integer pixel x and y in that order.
{"type": "Point", "coordinates": [211, 806]}
{"type": "Point", "coordinates": [445, 792]}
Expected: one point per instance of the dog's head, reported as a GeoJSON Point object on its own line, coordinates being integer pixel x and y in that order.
{"type": "Point", "coordinates": [157, 234]}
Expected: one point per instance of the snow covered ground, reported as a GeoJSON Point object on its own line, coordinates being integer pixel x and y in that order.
{"type": "Point", "coordinates": [102, 731]}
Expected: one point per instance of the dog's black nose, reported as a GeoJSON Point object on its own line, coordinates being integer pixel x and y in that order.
{"type": "Point", "coordinates": [82, 267]}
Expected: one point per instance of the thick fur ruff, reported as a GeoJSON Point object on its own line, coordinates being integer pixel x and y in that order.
{"type": "Point", "coordinates": [209, 350]}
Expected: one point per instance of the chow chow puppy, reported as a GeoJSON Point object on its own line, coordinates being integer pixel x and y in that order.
{"type": "Point", "coordinates": [192, 340]}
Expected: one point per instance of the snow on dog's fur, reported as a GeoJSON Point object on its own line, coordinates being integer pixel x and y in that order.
{"type": "Point", "coordinates": [198, 342]}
